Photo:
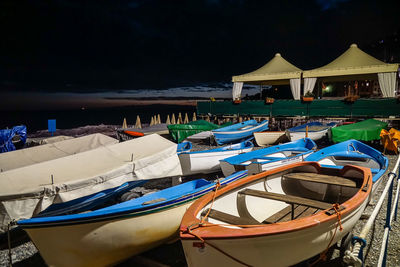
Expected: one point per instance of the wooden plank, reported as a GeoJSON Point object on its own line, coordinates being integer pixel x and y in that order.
{"type": "Point", "coordinates": [229, 218]}
{"type": "Point", "coordinates": [287, 198]}
{"type": "Point", "coordinates": [321, 178]}
{"type": "Point", "coordinates": [285, 214]}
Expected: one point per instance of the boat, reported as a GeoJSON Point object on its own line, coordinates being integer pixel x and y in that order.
{"type": "Point", "coordinates": [12, 139]}
{"type": "Point", "coordinates": [124, 134]}
{"type": "Point", "coordinates": [267, 138]}
{"type": "Point", "coordinates": [367, 130]}
{"type": "Point", "coordinates": [27, 191]}
{"type": "Point", "coordinates": [180, 132]}
{"type": "Point", "coordinates": [207, 161]}
{"type": "Point", "coordinates": [314, 130]}
{"type": "Point", "coordinates": [112, 234]}
{"type": "Point", "coordinates": [41, 153]}
{"type": "Point", "coordinates": [280, 217]}
{"type": "Point", "coordinates": [355, 153]}
{"type": "Point", "coordinates": [238, 131]}
{"type": "Point", "coordinates": [267, 158]}
{"type": "Point", "coordinates": [201, 137]}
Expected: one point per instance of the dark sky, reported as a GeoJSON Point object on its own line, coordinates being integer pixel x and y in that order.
{"type": "Point", "coordinates": [132, 44]}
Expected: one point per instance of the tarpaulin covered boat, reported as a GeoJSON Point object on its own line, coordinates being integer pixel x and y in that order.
{"type": "Point", "coordinates": [275, 218]}
{"type": "Point", "coordinates": [26, 191]}
{"type": "Point", "coordinates": [366, 130]}
{"type": "Point", "coordinates": [391, 139]}
{"type": "Point", "coordinates": [109, 235]}
{"type": "Point", "coordinates": [180, 132]}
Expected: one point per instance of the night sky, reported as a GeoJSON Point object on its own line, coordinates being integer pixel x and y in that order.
{"type": "Point", "coordinates": [86, 45]}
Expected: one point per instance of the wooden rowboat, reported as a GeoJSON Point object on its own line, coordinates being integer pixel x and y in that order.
{"type": "Point", "coordinates": [313, 130]}
{"type": "Point", "coordinates": [269, 137]}
{"type": "Point", "coordinates": [276, 218]}
{"type": "Point", "coordinates": [268, 158]}
{"type": "Point", "coordinates": [353, 152]}
{"type": "Point", "coordinates": [207, 161]}
{"type": "Point", "coordinates": [238, 131]}
{"type": "Point", "coordinates": [109, 235]}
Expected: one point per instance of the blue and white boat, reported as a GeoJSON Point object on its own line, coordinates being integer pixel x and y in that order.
{"type": "Point", "coordinates": [355, 153]}
{"type": "Point", "coordinates": [109, 235]}
{"type": "Point", "coordinates": [207, 161]}
{"type": "Point", "coordinates": [314, 130]}
{"type": "Point", "coordinates": [269, 158]}
{"type": "Point", "coordinates": [238, 131]}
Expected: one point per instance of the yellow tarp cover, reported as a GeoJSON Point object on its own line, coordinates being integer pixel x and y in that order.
{"type": "Point", "coordinates": [277, 71]}
{"type": "Point", "coordinates": [353, 61]}
{"type": "Point", "coordinates": [390, 139]}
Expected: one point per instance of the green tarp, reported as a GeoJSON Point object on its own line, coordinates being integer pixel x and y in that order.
{"type": "Point", "coordinates": [180, 132]}
{"type": "Point", "coordinates": [367, 130]}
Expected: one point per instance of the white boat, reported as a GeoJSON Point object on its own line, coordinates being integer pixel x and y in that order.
{"type": "Point", "coordinates": [269, 137]}
{"type": "Point", "coordinates": [110, 235]}
{"type": "Point", "coordinates": [313, 130]}
{"type": "Point", "coordinates": [280, 217]}
{"type": "Point", "coordinates": [26, 191]}
{"type": "Point", "coordinates": [200, 137]}
{"type": "Point", "coordinates": [207, 161]}
{"type": "Point", "coordinates": [268, 158]}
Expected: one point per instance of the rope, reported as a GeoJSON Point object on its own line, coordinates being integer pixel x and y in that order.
{"type": "Point", "coordinates": [323, 255]}
{"type": "Point", "coordinates": [217, 186]}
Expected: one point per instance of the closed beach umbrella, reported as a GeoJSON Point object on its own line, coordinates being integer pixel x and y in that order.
{"type": "Point", "coordinates": [168, 122]}
{"type": "Point", "coordinates": [186, 118]}
{"type": "Point", "coordinates": [138, 124]}
{"type": "Point", "coordinates": [158, 119]}
{"type": "Point", "coordinates": [124, 125]}
{"type": "Point", "coordinates": [173, 121]}
{"type": "Point", "coordinates": [194, 116]}
{"type": "Point", "coordinates": [180, 118]}
{"type": "Point", "coordinates": [152, 121]}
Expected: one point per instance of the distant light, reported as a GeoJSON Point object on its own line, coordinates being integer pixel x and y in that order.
{"type": "Point", "coordinates": [367, 84]}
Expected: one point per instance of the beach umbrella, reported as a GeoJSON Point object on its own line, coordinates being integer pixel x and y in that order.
{"type": "Point", "coordinates": [240, 119]}
{"type": "Point", "coordinates": [152, 121]}
{"type": "Point", "coordinates": [158, 119]}
{"type": "Point", "coordinates": [208, 118]}
{"type": "Point", "coordinates": [124, 125]}
{"type": "Point", "coordinates": [186, 118]}
{"type": "Point", "coordinates": [173, 121]}
{"type": "Point", "coordinates": [194, 116]}
{"type": "Point", "coordinates": [180, 118]}
{"type": "Point", "coordinates": [168, 120]}
{"type": "Point", "coordinates": [138, 124]}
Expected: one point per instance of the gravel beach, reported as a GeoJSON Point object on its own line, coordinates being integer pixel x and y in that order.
{"type": "Point", "coordinates": [172, 254]}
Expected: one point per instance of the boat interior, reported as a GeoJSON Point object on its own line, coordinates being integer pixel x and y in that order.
{"type": "Point", "coordinates": [284, 196]}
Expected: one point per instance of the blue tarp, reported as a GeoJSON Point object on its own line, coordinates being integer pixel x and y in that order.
{"type": "Point", "coordinates": [6, 137]}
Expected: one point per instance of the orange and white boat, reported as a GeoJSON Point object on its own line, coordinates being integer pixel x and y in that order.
{"type": "Point", "coordinates": [276, 218]}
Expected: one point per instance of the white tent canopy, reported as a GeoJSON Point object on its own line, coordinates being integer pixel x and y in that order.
{"type": "Point", "coordinates": [356, 64]}
{"type": "Point", "coordinates": [276, 72]}
{"type": "Point", "coordinates": [28, 190]}
{"type": "Point", "coordinates": [32, 155]}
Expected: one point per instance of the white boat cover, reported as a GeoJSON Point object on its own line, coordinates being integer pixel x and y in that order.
{"type": "Point", "coordinates": [32, 155]}
{"type": "Point", "coordinates": [26, 191]}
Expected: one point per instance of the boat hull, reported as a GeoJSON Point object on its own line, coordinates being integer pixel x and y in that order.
{"type": "Point", "coordinates": [273, 250]}
{"type": "Point", "coordinates": [268, 137]}
{"type": "Point", "coordinates": [238, 131]}
{"type": "Point", "coordinates": [293, 136]}
{"type": "Point", "coordinates": [108, 242]}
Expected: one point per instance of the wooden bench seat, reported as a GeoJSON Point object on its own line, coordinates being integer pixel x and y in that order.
{"type": "Point", "coordinates": [287, 198]}
{"type": "Point", "coordinates": [229, 218]}
{"type": "Point", "coordinates": [290, 213]}
{"type": "Point", "coordinates": [321, 178]}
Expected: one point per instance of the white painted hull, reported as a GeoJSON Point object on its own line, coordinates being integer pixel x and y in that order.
{"type": "Point", "coordinates": [193, 163]}
{"type": "Point", "coordinates": [109, 242]}
{"type": "Point", "coordinates": [267, 138]}
{"type": "Point", "coordinates": [293, 136]}
{"type": "Point", "coordinates": [272, 250]}
{"type": "Point", "coordinates": [200, 136]}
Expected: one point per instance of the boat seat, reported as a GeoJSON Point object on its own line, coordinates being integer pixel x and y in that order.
{"type": "Point", "coordinates": [229, 218]}
{"type": "Point", "coordinates": [287, 198]}
{"type": "Point", "coordinates": [269, 158]}
{"type": "Point", "coordinates": [290, 213]}
{"type": "Point", "coordinates": [341, 167]}
{"type": "Point", "coordinates": [321, 178]}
